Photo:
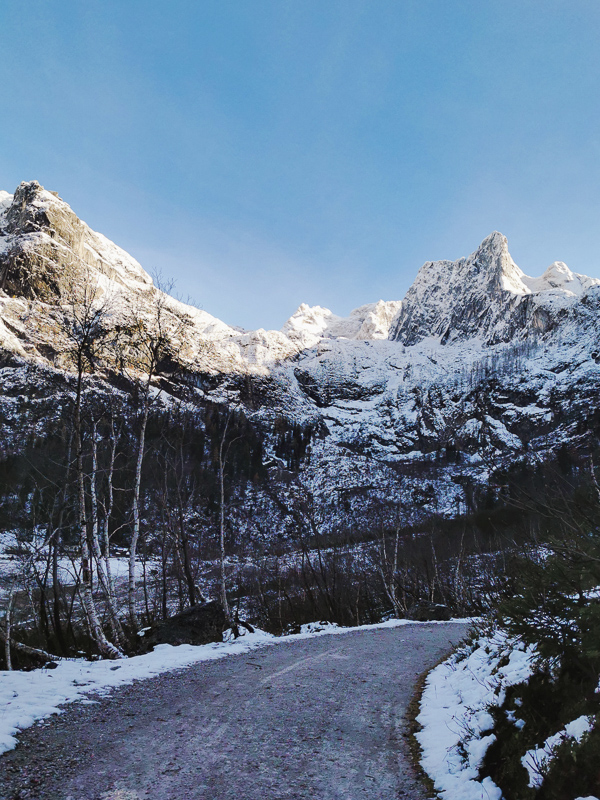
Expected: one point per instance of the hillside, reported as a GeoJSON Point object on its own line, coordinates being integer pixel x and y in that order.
{"type": "Point", "coordinates": [165, 477]}
{"type": "Point", "coordinates": [399, 441]}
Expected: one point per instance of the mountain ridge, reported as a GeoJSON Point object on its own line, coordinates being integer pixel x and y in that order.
{"type": "Point", "coordinates": [408, 402]}
{"type": "Point", "coordinates": [484, 295]}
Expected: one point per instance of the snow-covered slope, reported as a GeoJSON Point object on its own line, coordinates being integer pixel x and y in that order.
{"type": "Point", "coordinates": [478, 362]}
{"type": "Point", "coordinates": [46, 251]}
{"type": "Point", "coordinates": [372, 321]}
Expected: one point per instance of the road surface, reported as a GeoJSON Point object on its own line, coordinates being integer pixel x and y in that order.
{"type": "Point", "coordinates": [318, 719]}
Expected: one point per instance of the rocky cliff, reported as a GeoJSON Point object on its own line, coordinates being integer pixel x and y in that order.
{"type": "Point", "coordinates": [487, 297]}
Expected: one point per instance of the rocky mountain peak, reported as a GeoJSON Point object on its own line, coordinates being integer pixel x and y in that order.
{"type": "Point", "coordinates": [45, 248]}
{"type": "Point", "coordinates": [46, 251]}
{"type": "Point", "coordinates": [493, 265]}
{"type": "Point", "coordinates": [372, 321]}
{"type": "Point", "coordinates": [451, 299]}
{"type": "Point", "coordinates": [484, 296]}
{"type": "Point", "coordinates": [26, 212]}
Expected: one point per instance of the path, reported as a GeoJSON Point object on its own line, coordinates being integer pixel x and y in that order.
{"type": "Point", "coordinates": [321, 718]}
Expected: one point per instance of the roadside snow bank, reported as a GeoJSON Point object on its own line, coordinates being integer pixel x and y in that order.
{"type": "Point", "coordinates": [29, 696]}
{"type": "Point", "coordinates": [456, 726]}
{"type": "Point", "coordinates": [26, 697]}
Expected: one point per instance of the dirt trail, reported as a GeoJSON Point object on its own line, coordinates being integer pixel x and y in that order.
{"type": "Point", "coordinates": [320, 718]}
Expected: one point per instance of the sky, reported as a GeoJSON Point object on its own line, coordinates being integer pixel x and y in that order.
{"type": "Point", "coordinates": [266, 153]}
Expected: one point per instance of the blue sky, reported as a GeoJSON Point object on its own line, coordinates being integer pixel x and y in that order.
{"type": "Point", "coordinates": [265, 153]}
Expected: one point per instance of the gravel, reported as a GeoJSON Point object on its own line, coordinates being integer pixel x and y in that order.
{"type": "Point", "coordinates": [320, 718]}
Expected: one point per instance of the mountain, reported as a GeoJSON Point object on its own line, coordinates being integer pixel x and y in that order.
{"type": "Point", "coordinates": [45, 249]}
{"type": "Point", "coordinates": [486, 296]}
{"type": "Point", "coordinates": [408, 404]}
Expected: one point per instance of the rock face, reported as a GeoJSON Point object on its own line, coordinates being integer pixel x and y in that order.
{"type": "Point", "coordinates": [485, 296]}
{"type": "Point", "coordinates": [408, 403]}
{"type": "Point", "coordinates": [46, 248]}
{"type": "Point", "coordinates": [47, 252]}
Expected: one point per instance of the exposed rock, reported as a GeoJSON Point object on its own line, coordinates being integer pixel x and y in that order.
{"type": "Point", "coordinates": [484, 365]}
{"type": "Point", "coordinates": [47, 249]}
{"type": "Point", "coordinates": [199, 624]}
{"type": "Point", "coordinates": [485, 296]}
{"type": "Point", "coordinates": [430, 612]}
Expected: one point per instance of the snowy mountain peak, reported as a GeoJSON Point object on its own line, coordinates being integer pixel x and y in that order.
{"type": "Point", "coordinates": [449, 299]}
{"type": "Point", "coordinates": [372, 321]}
{"type": "Point", "coordinates": [46, 251]}
{"type": "Point", "coordinates": [54, 248]}
{"type": "Point", "coordinates": [560, 280]}
{"type": "Point", "coordinates": [493, 258]}
{"type": "Point", "coordinates": [5, 203]}
{"type": "Point", "coordinates": [485, 296]}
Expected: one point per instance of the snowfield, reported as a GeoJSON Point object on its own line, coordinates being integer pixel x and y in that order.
{"type": "Point", "coordinates": [20, 557]}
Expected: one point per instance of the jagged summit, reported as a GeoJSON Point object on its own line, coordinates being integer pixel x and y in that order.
{"type": "Point", "coordinates": [368, 322]}
{"type": "Point", "coordinates": [485, 296]}
{"type": "Point", "coordinates": [405, 382]}
{"type": "Point", "coordinates": [45, 250]}
{"type": "Point", "coordinates": [44, 247]}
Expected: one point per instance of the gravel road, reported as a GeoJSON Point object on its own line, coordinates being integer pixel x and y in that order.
{"type": "Point", "coordinates": [320, 718]}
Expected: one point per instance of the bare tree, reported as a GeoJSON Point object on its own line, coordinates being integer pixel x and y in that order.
{"type": "Point", "coordinates": [155, 337]}
{"type": "Point", "coordinates": [8, 624]}
{"type": "Point", "coordinates": [222, 460]}
{"type": "Point", "coordinates": [102, 559]}
{"type": "Point", "coordinates": [85, 328]}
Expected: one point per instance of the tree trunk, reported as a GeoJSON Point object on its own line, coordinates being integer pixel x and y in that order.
{"type": "Point", "coordinates": [223, 587]}
{"type": "Point", "coordinates": [101, 561]}
{"type": "Point", "coordinates": [135, 533]}
{"type": "Point", "coordinates": [106, 648]}
{"type": "Point", "coordinates": [8, 620]}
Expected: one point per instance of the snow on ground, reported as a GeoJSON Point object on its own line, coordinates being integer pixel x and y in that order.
{"type": "Point", "coordinates": [457, 726]}
{"type": "Point", "coordinates": [456, 723]}
{"type": "Point", "coordinates": [20, 556]}
{"type": "Point", "coordinates": [26, 697]}
{"type": "Point", "coordinates": [537, 759]}
{"type": "Point", "coordinates": [29, 696]}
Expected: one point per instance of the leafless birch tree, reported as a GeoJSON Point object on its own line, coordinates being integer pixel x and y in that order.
{"type": "Point", "coordinates": [85, 328]}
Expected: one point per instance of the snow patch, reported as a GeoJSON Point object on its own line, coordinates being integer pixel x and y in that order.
{"type": "Point", "coordinates": [454, 714]}
{"type": "Point", "coordinates": [537, 760]}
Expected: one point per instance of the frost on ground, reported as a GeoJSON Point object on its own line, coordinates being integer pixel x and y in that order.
{"type": "Point", "coordinates": [457, 728]}
{"type": "Point", "coordinates": [26, 697]}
